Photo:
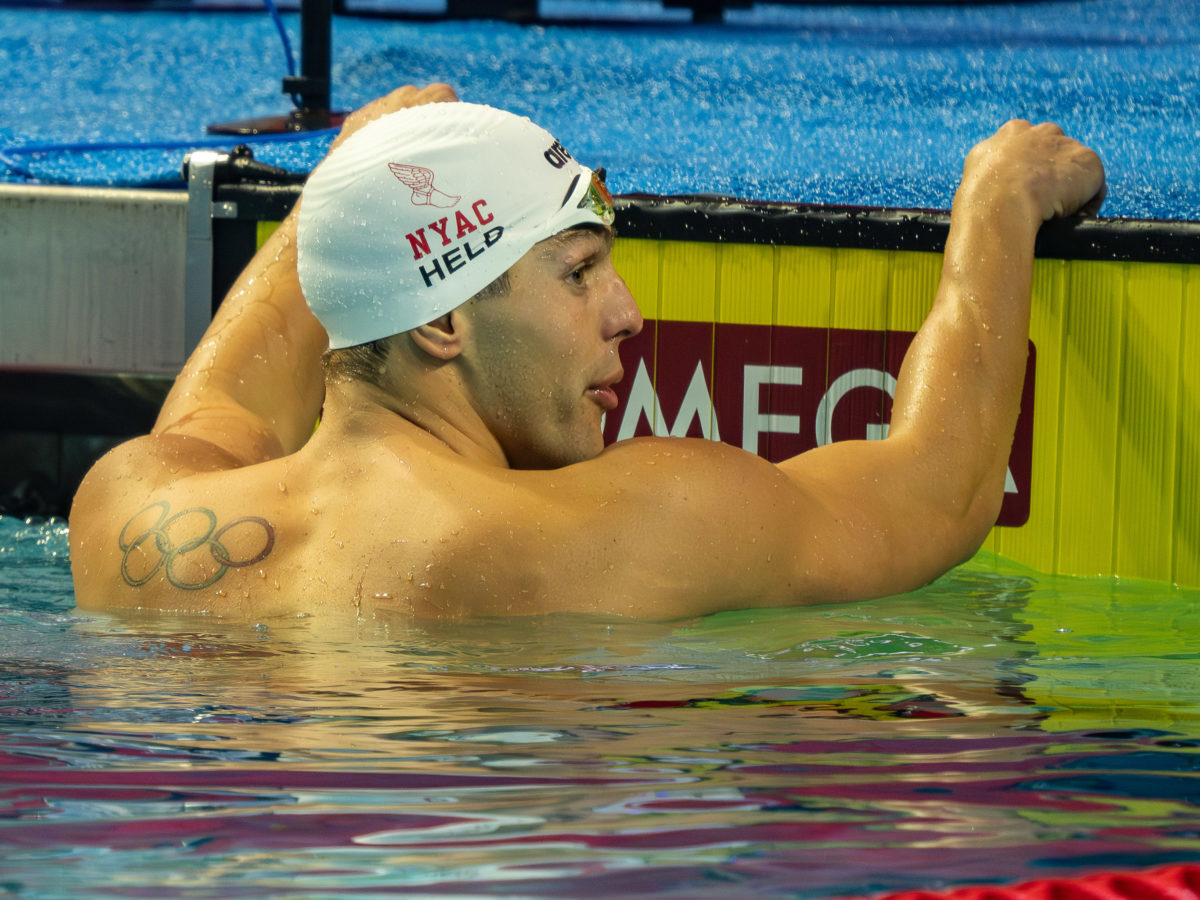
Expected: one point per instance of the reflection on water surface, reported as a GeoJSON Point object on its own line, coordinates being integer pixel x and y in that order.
{"type": "Point", "coordinates": [995, 726]}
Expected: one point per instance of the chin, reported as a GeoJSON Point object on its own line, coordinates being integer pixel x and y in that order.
{"type": "Point", "coordinates": [593, 448]}
{"type": "Point", "coordinates": [571, 458]}
{"type": "Point", "coordinates": [563, 455]}
{"type": "Point", "coordinates": [572, 442]}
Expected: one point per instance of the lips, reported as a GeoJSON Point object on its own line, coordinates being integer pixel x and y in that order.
{"type": "Point", "coordinates": [605, 397]}
{"type": "Point", "coordinates": [604, 394]}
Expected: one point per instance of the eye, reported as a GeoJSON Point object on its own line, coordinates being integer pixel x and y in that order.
{"type": "Point", "coordinates": [578, 275]}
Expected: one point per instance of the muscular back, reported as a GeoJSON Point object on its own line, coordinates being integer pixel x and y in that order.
{"type": "Point", "coordinates": [401, 525]}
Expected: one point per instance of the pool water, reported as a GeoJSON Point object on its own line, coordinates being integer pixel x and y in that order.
{"type": "Point", "coordinates": [866, 104]}
{"type": "Point", "coordinates": [996, 726]}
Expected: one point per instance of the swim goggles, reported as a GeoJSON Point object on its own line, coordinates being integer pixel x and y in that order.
{"type": "Point", "coordinates": [598, 199]}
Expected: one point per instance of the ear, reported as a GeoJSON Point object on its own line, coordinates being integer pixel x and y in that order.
{"type": "Point", "coordinates": [442, 338]}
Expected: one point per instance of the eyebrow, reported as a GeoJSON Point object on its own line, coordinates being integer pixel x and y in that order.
{"type": "Point", "coordinates": [606, 233]}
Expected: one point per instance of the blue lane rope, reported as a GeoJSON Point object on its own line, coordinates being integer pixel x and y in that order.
{"type": "Point", "coordinates": [9, 154]}
{"type": "Point", "coordinates": [222, 141]}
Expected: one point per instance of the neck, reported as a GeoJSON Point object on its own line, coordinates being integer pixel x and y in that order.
{"type": "Point", "coordinates": [355, 411]}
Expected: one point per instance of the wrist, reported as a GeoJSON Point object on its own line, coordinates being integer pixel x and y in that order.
{"type": "Point", "coordinates": [997, 200]}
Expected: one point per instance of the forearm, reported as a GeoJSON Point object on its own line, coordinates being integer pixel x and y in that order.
{"type": "Point", "coordinates": [896, 513]}
{"type": "Point", "coordinates": [254, 386]}
{"type": "Point", "coordinates": [958, 393]}
{"type": "Point", "coordinates": [892, 515]}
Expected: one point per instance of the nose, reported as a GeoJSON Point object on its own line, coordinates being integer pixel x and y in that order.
{"type": "Point", "coordinates": [624, 317]}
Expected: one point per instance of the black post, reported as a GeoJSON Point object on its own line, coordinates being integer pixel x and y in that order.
{"type": "Point", "coordinates": [310, 89]}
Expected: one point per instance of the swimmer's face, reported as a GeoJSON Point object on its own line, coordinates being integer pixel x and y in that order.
{"type": "Point", "coordinates": [543, 360]}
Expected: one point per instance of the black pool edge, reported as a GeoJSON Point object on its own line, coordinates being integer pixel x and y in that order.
{"type": "Point", "coordinates": [715, 218]}
{"type": "Point", "coordinates": [720, 219]}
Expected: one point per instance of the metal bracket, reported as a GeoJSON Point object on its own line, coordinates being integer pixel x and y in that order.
{"type": "Point", "coordinates": [200, 168]}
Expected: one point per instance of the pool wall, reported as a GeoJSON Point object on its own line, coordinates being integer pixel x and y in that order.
{"type": "Point", "coordinates": [94, 279]}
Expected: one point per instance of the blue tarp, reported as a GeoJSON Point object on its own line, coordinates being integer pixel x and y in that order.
{"type": "Point", "coordinates": [858, 104]}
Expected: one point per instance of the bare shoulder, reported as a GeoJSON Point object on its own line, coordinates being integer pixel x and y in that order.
{"type": "Point", "coordinates": [146, 520]}
{"type": "Point", "coordinates": [132, 471]}
{"type": "Point", "coordinates": [652, 527]}
{"type": "Point", "coordinates": [669, 528]}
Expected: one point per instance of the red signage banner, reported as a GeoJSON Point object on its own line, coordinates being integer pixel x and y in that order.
{"type": "Point", "coordinates": [778, 391]}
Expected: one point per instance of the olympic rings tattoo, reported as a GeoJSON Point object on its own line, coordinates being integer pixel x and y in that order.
{"type": "Point", "coordinates": [198, 528]}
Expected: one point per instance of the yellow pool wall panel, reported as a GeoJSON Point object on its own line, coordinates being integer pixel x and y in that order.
{"type": "Point", "coordinates": [1036, 543]}
{"type": "Point", "coordinates": [1115, 486]}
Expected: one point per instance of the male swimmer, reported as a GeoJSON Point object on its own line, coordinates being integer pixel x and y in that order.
{"type": "Point", "coordinates": [456, 259]}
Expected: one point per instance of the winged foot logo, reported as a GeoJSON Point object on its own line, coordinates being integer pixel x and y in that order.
{"type": "Point", "coordinates": [420, 180]}
{"type": "Point", "coordinates": [456, 240]}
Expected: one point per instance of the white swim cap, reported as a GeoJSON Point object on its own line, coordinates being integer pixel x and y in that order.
{"type": "Point", "coordinates": [421, 209]}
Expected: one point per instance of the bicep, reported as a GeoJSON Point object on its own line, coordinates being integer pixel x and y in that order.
{"type": "Point", "coordinates": [879, 522]}
{"type": "Point", "coordinates": [669, 528]}
{"type": "Point", "coordinates": [717, 528]}
{"type": "Point", "coordinates": [218, 432]}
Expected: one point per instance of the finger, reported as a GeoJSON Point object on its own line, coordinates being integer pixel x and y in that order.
{"type": "Point", "coordinates": [437, 93]}
{"type": "Point", "coordinates": [401, 98]}
{"type": "Point", "coordinates": [1092, 184]}
{"type": "Point", "coordinates": [406, 96]}
{"type": "Point", "coordinates": [1049, 128]}
{"type": "Point", "coordinates": [1092, 207]}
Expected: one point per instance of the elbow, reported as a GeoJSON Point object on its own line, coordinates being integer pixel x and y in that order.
{"type": "Point", "coordinates": [952, 533]}
{"type": "Point", "coordinates": [968, 526]}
